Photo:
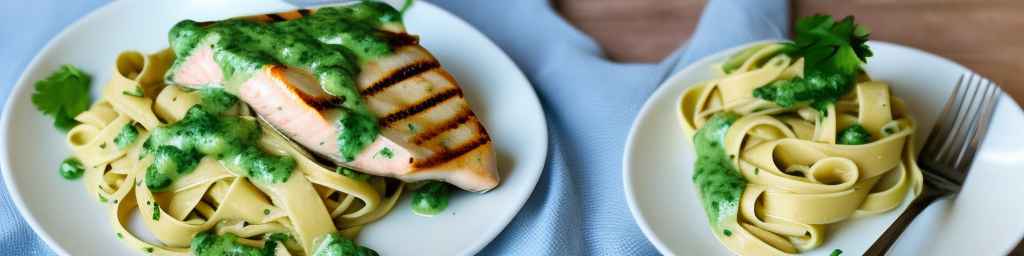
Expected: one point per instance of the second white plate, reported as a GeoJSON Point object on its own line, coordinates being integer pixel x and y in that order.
{"type": "Point", "coordinates": [984, 219]}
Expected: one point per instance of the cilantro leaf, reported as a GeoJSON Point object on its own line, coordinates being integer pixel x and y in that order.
{"type": "Point", "coordinates": [833, 53]}
{"type": "Point", "coordinates": [63, 95]}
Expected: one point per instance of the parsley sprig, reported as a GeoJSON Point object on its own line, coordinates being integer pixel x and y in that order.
{"type": "Point", "coordinates": [832, 51]}
{"type": "Point", "coordinates": [63, 95]}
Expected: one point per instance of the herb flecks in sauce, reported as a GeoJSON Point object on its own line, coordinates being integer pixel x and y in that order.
{"type": "Point", "coordinates": [386, 153]}
{"type": "Point", "coordinates": [336, 245]}
{"type": "Point", "coordinates": [126, 137]}
{"type": "Point", "coordinates": [718, 181]}
{"type": "Point", "coordinates": [179, 147]}
{"type": "Point", "coordinates": [330, 44]}
{"type": "Point", "coordinates": [71, 168]}
{"type": "Point", "coordinates": [216, 100]}
{"type": "Point", "coordinates": [431, 198]}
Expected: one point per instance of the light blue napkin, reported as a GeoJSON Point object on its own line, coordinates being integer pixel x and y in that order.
{"type": "Point", "coordinates": [578, 208]}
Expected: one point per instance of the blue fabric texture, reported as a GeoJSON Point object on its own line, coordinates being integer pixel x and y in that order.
{"type": "Point", "coordinates": [578, 207]}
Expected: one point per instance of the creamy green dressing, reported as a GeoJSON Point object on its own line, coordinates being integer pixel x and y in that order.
{"type": "Point", "coordinates": [178, 147]}
{"type": "Point", "coordinates": [719, 182]}
{"type": "Point", "coordinates": [431, 198]}
{"type": "Point", "coordinates": [330, 44]}
{"type": "Point", "coordinates": [210, 244]}
{"type": "Point", "coordinates": [336, 245]}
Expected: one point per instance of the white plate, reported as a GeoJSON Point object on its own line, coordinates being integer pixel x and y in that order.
{"type": "Point", "coordinates": [985, 219]}
{"type": "Point", "coordinates": [71, 221]}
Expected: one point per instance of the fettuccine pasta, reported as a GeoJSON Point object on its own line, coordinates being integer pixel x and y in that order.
{"type": "Point", "coordinates": [311, 204]}
{"type": "Point", "coordinates": [773, 178]}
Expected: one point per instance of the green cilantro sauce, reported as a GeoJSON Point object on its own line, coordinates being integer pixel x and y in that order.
{"type": "Point", "coordinates": [178, 147]}
{"type": "Point", "coordinates": [210, 244]}
{"type": "Point", "coordinates": [854, 135]}
{"type": "Point", "coordinates": [126, 137]}
{"type": "Point", "coordinates": [330, 44]}
{"type": "Point", "coordinates": [719, 182]}
{"type": "Point", "coordinates": [431, 198]}
{"type": "Point", "coordinates": [71, 169]}
{"type": "Point", "coordinates": [337, 245]}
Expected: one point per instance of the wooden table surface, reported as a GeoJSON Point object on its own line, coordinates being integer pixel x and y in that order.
{"type": "Point", "coordinates": [984, 35]}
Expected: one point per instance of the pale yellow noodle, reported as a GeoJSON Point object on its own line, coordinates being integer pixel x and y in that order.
{"type": "Point", "coordinates": [783, 214]}
{"type": "Point", "coordinates": [213, 196]}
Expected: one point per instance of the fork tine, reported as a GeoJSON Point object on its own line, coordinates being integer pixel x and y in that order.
{"type": "Point", "coordinates": [945, 120]}
{"type": "Point", "coordinates": [950, 116]}
{"type": "Point", "coordinates": [954, 140]}
{"type": "Point", "coordinates": [981, 127]}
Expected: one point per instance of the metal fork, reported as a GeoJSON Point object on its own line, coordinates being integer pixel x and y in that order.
{"type": "Point", "coordinates": [947, 154]}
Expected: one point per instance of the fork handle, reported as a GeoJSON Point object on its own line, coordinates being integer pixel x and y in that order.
{"type": "Point", "coordinates": [928, 195]}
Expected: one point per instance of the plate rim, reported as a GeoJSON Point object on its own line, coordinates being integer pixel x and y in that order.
{"type": "Point", "coordinates": [33, 65]}
{"type": "Point", "coordinates": [665, 87]}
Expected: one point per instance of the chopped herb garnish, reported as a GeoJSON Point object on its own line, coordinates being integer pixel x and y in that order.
{"type": "Point", "coordinates": [386, 153]}
{"type": "Point", "coordinates": [412, 127]}
{"type": "Point", "coordinates": [836, 252]}
{"type": "Point", "coordinates": [119, 235]}
{"type": "Point", "coordinates": [63, 95]}
{"type": "Point", "coordinates": [156, 211]}
{"type": "Point", "coordinates": [266, 211]}
{"type": "Point", "coordinates": [148, 249]}
{"type": "Point", "coordinates": [727, 232]}
{"type": "Point", "coordinates": [135, 92]}
{"type": "Point", "coordinates": [352, 174]}
{"type": "Point", "coordinates": [103, 199]}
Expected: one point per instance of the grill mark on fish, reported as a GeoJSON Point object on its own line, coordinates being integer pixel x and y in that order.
{"type": "Point", "coordinates": [445, 156]}
{"type": "Point", "coordinates": [419, 107]}
{"type": "Point", "coordinates": [462, 117]}
{"type": "Point", "coordinates": [318, 103]}
{"type": "Point", "coordinates": [400, 75]}
{"type": "Point", "coordinates": [400, 39]}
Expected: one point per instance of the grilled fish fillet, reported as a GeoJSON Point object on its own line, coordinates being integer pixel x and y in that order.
{"type": "Point", "coordinates": [424, 119]}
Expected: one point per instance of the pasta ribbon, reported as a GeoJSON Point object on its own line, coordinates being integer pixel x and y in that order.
{"type": "Point", "coordinates": [313, 202]}
{"type": "Point", "coordinates": [799, 178]}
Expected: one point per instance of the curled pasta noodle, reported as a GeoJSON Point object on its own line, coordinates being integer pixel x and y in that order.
{"type": "Point", "coordinates": [313, 202]}
{"type": "Point", "coordinates": [798, 178]}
